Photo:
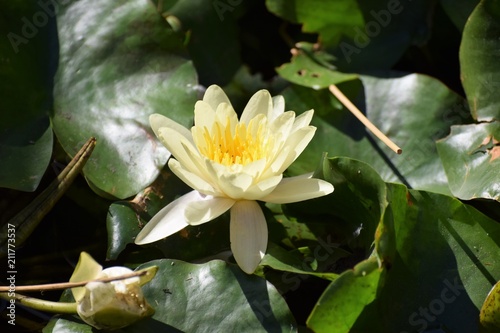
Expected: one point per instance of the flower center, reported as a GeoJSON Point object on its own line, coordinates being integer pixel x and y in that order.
{"type": "Point", "coordinates": [244, 145]}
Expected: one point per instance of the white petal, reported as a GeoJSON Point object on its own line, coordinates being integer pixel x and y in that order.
{"type": "Point", "coordinates": [204, 115]}
{"type": "Point", "coordinates": [283, 124]}
{"type": "Point", "coordinates": [168, 220]}
{"type": "Point", "coordinates": [303, 120]}
{"type": "Point", "coordinates": [259, 103]}
{"type": "Point", "coordinates": [233, 182]}
{"type": "Point", "coordinates": [178, 145]}
{"type": "Point", "coordinates": [248, 234]}
{"type": "Point", "coordinates": [278, 107]}
{"type": "Point", "coordinates": [254, 169]}
{"type": "Point", "coordinates": [158, 121]}
{"type": "Point", "coordinates": [263, 188]}
{"type": "Point", "coordinates": [294, 189]}
{"type": "Point", "coordinates": [224, 113]}
{"type": "Point", "coordinates": [294, 146]}
{"type": "Point", "coordinates": [191, 179]}
{"type": "Point", "coordinates": [205, 210]}
{"type": "Point", "coordinates": [214, 96]}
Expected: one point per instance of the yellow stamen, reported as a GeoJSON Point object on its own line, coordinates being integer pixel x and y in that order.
{"type": "Point", "coordinates": [248, 144]}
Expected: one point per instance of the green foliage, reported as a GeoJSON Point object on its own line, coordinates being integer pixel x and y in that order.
{"type": "Point", "coordinates": [405, 243]}
{"type": "Point", "coordinates": [114, 71]}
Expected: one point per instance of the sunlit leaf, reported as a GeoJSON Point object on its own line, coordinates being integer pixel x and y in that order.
{"type": "Point", "coordinates": [345, 298]}
{"type": "Point", "coordinates": [471, 157]}
{"type": "Point", "coordinates": [480, 69]}
{"type": "Point", "coordinates": [213, 297]}
{"type": "Point", "coordinates": [304, 69]}
{"type": "Point", "coordinates": [119, 62]}
{"type": "Point", "coordinates": [412, 110]}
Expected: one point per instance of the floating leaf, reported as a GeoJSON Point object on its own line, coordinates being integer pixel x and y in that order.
{"type": "Point", "coordinates": [119, 63]}
{"type": "Point", "coordinates": [345, 298]}
{"type": "Point", "coordinates": [480, 69]}
{"type": "Point", "coordinates": [471, 158]}
{"type": "Point", "coordinates": [412, 110]}
{"type": "Point", "coordinates": [440, 265]}
{"type": "Point", "coordinates": [213, 37]}
{"type": "Point", "coordinates": [305, 70]}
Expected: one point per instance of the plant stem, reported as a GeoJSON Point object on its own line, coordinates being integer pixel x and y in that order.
{"type": "Point", "coordinates": [40, 304]}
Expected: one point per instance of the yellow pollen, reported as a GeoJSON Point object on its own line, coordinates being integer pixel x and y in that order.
{"type": "Point", "coordinates": [246, 145]}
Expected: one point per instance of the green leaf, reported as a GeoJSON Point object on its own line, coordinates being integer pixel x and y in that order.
{"type": "Point", "coordinates": [63, 324]}
{"type": "Point", "coordinates": [412, 110]}
{"type": "Point", "coordinates": [279, 259]}
{"type": "Point", "coordinates": [445, 255]}
{"type": "Point", "coordinates": [391, 28]}
{"type": "Point", "coordinates": [438, 274]}
{"type": "Point", "coordinates": [355, 206]}
{"type": "Point", "coordinates": [480, 69]}
{"type": "Point", "coordinates": [117, 67]}
{"type": "Point", "coordinates": [26, 66]}
{"type": "Point", "coordinates": [213, 38]}
{"type": "Point", "coordinates": [345, 298]}
{"type": "Point", "coordinates": [308, 69]}
{"type": "Point", "coordinates": [330, 19]}
{"type": "Point", "coordinates": [471, 158]}
{"type": "Point", "coordinates": [489, 317]}
{"type": "Point", "coordinates": [210, 297]}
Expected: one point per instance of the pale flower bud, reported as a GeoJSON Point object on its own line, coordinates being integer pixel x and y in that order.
{"type": "Point", "coordinates": [115, 304]}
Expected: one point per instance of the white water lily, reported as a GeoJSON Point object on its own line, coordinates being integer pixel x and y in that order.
{"type": "Point", "coordinates": [230, 164]}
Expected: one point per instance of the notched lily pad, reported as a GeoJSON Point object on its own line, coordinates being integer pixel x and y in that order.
{"type": "Point", "coordinates": [470, 156]}
{"type": "Point", "coordinates": [311, 67]}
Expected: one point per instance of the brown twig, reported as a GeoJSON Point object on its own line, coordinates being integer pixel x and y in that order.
{"type": "Point", "coordinates": [355, 111]}
{"type": "Point", "coordinates": [64, 285]}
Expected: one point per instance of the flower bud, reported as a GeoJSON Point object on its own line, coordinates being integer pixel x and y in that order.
{"type": "Point", "coordinates": [115, 304]}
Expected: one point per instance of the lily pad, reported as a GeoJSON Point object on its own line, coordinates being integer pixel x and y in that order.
{"type": "Point", "coordinates": [412, 110]}
{"type": "Point", "coordinates": [210, 297]}
{"type": "Point", "coordinates": [418, 289]}
{"type": "Point", "coordinates": [305, 69]}
{"type": "Point", "coordinates": [344, 300]}
{"type": "Point", "coordinates": [212, 35]}
{"type": "Point", "coordinates": [471, 157]}
{"type": "Point", "coordinates": [119, 63]}
{"type": "Point", "coordinates": [480, 69]}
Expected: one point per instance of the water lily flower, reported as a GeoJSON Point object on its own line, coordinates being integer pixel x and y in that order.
{"type": "Point", "coordinates": [230, 164]}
